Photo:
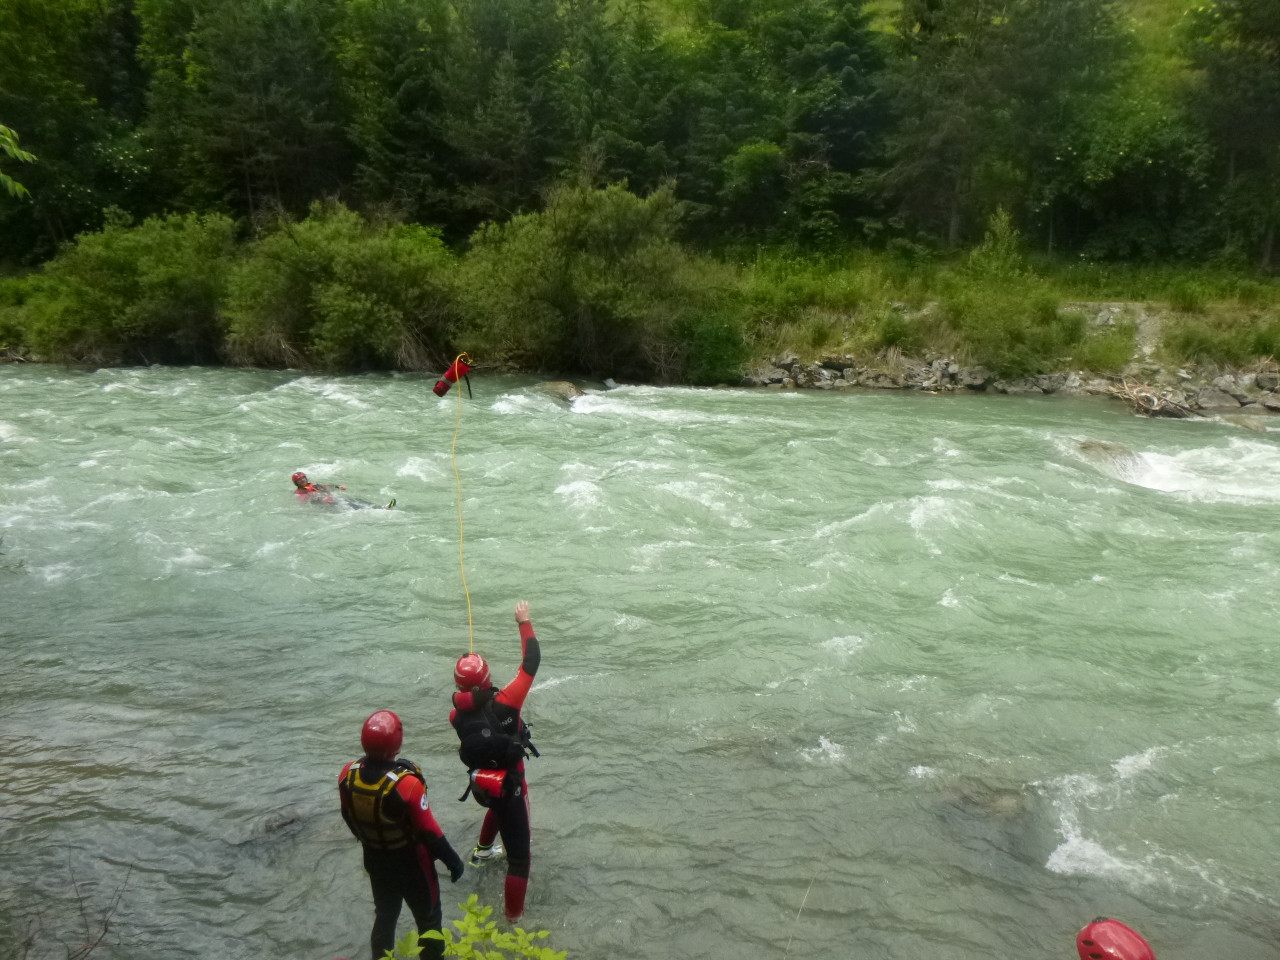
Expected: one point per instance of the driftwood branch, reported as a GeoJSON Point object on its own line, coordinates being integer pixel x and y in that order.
{"type": "Point", "coordinates": [96, 931]}
{"type": "Point", "coordinates": [1152, 401]}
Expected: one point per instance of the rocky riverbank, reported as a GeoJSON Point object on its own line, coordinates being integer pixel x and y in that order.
{"type": "Point", "coordinates": [1148, 386]}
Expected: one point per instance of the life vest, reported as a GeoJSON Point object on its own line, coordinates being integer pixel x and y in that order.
{"type": "Point", "coordinates": [369, 814]}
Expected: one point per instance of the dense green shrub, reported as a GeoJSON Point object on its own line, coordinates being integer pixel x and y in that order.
{"type": "Point", "coordinates": [893, 329]}
{"type": "Point", "coordinates": [477, 937]}
{"type": "Point", "coordinates": [339, 293]}
{"type": "Point", "coordinates": [1015, 329]}
{"type": "Point", "coordinates": [13, 292]}
{"type": "Point", "coordinates": [131, 294]}
{"type": "Point", "coordinates": [999, 257]}
{"type": "Point", "coordinates": [596, 284]}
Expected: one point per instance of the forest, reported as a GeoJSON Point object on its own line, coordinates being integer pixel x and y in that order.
{"type": "Point", "coordinates": [650, 188]}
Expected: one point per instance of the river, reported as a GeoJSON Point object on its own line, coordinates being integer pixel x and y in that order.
{"type": "Point", "coordinates": [868, 676]}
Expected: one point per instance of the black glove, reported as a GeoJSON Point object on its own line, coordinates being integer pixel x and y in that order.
{"type": "Point", "coordinates": [452, 861]}
{"type": "Point", "coordinates": [440, 849]}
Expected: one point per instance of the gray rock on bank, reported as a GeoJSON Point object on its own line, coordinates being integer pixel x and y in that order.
{"type": "Point", "coordinates": [1170, 393]}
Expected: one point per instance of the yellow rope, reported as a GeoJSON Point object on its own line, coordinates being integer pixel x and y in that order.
{"type": "Point", "coordinates": [453, 457]}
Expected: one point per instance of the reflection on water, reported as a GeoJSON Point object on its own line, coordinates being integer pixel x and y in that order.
{"type": "Point", "coordinates": [872, 675]}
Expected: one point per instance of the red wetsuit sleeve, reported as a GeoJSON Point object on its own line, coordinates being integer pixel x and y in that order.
{"type": "Point", "coordinates": [414, 794]}
{"type": "Point", "coordinates": [513, 694]}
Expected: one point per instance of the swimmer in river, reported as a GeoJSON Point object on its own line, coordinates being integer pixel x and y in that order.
{"type": "Point", "coordinates": [322, 494]}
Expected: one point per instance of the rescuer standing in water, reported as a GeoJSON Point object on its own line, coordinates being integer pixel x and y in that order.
{"type": "Point", "coordinates": [384, 802]}
{"type": "Point", "coordinates": [493, 743]}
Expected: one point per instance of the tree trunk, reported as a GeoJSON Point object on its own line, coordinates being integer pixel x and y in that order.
{"type": "Point", "coordinates": [953, 222]}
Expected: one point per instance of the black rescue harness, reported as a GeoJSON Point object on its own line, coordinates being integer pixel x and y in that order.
{"type": "Point", "coordinates": [483, 745]}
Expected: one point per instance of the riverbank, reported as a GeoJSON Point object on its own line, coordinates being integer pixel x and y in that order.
{"type": "Point", "coordinates": [1148, 383]}
{"type": "Point", "coordinates": [337, 293]}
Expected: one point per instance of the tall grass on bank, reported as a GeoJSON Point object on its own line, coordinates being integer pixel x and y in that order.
{"type": "Point", "coordinates": [851, 303]}
{"type": "Point", "coordinates": [1222, 339]}
{"type": "Point", "coordinates": [1179, 287]}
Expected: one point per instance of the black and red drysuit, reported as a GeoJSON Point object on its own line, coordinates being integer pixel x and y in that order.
{"type": "Point", "coordinates": [508, 809]}
{"type": "Point", "coordinates": [384, 802]}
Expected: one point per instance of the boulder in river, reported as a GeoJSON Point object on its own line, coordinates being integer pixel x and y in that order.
{"type": "Point", "coordinates": [564, 390]}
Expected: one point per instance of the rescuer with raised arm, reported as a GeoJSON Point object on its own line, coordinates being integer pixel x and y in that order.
{"type": "Point", "coordinates": [493, 743]}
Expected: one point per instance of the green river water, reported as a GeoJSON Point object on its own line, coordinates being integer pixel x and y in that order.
{"type": "Point", "coordinates": [861, 676]}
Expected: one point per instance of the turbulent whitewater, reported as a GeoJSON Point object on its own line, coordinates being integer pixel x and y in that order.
{"type": "Point", "coordinates": [870, 676]}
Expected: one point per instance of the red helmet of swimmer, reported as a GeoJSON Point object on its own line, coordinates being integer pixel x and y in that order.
{"type": "Point", "coordinates": [1107, 939]}
{"type": "Point", "coordinates": [382, 735]}
{"type": "Point", "coordinates": [299, 479]}
{"type": "Point", "coordinates": [471, 671]}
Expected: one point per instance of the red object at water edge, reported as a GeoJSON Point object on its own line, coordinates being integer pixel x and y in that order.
{"type": "Point", "coordinates": [457, 370]}
{"type": "Point", "coordinates": [1107, 939]}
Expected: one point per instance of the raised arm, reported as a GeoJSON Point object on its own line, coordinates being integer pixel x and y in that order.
{"type": "Point", "coordinates": [513, 693]}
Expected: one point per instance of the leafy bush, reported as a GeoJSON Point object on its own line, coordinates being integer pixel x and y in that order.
{"type": "Point", "coordinates": [12, 297]}
{"type": "Point", "coordinates": [1015, 329]}
{"type": "Point", "coordinates": [478, 938]}
{"type": "Point", "coordinates": [892, 328]}
{"type": "Point", "coordinates": [339, 293]}
{"type": "Point", "coordinates": [999, 256]}
{"type": "Point", "coordinates": [596, 284]}
{"type": "Point", "coordinates": [132, 294]}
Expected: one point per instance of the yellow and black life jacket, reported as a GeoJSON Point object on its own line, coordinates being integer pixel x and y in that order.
{"type": "Point", "coordinates": [375, 825]}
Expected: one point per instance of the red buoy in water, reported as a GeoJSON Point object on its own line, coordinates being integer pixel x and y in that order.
{"type": "Point", "coordinates": [457, 370]}
{"type": "Point", "coordinates": [1107, 939]}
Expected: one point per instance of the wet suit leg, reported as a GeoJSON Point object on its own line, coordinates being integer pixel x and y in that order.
{"type": "Point", "coordinates": [409, 876]}
{"type": "Point", "coordinates": [513, 824]}
{"type": "Point", "coordinates": [489, 829]}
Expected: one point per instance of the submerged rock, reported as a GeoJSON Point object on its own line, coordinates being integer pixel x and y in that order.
{"type": "Point", "coordinates": [562, 390]}
{"type": "Point", "coordinates": [1258, 424]}
{"type": "Point", "coordinates": [1115, 458]}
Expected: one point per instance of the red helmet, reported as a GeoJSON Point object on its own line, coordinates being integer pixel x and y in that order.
{"type": "Point", "coordinates": [471, 671]}
{"type": "Point", "coordinates": [299, 479]}
{"type": "Point", "coordinates": [382, 735]}
{"type": "Point", "coordinates": [1107, 939]}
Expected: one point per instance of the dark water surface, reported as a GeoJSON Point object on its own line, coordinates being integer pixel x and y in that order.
{"type": "Point", "coordinates": [872, 676]}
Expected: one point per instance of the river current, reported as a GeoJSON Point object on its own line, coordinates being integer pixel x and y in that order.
{"type": "Point", "coordinates": [875, 676]}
